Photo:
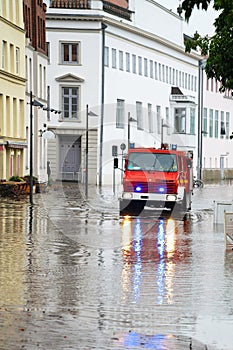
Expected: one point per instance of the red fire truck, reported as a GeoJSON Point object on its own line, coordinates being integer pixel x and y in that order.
{"type": "Point", "coordinates": [156, 178]}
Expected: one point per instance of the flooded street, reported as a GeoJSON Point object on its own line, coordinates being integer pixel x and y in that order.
{"type": "Point", "coordinates": [75, 275]}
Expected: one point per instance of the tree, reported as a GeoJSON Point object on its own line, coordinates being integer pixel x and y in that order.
{"type": "Point", "coordinates": [218, 49]}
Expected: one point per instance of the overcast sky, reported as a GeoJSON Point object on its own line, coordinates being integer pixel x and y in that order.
{"type": "Point", "coordinates": [201, 21]}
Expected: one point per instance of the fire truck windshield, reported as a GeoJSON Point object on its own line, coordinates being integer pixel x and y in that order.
{"type": "Point", "coordinates": [152, 161]}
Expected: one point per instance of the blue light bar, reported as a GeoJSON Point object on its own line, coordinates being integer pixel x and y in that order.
{"type": "Point", "coordinates": [138, 189]}
{"type": "Point", "coordinates": [161, 189]}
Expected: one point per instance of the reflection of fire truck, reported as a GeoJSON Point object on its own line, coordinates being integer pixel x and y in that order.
{"type": "Point", "coordinates": [156, 178]}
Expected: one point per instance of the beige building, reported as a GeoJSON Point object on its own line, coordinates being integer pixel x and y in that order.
{"type": "Point", "coordinates": [12, 89]}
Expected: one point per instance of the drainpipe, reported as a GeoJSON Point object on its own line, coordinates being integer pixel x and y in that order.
{"type": "Point", "coordinates": [103, 27]}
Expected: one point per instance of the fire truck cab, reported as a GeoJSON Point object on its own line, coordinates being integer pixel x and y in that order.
{"type": "Point", "coordinates": [156, 178]}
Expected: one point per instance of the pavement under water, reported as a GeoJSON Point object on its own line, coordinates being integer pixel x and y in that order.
{"type": "Point", "coordinates": [75, 275]}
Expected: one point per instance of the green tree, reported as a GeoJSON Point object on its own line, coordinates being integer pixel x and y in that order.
{"type": "Point", "coordinates": [219, 48]}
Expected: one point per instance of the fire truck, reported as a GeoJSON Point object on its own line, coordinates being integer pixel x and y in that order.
{"type": "Point", "coordinates": [156, 178]}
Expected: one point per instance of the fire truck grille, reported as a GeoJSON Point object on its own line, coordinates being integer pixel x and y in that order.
{"type": "Point", "coordinates": [152, 187]}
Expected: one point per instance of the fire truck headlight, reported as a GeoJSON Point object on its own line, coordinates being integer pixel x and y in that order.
{"type": "Point", "coordinates": [171, 197]}
{"type": "Point", "coordinates": [127, 195]}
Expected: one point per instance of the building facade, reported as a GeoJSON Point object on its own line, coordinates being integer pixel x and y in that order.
{"type": "Point", "coordinates": [12, 89]}
{"type": "Point", "coordinates": [36, 62]}
{"type": "Point", "coordinates": [133, 73]}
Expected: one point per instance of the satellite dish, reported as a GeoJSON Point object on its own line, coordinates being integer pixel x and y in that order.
{"type": "Point", "coordinates": [48, 135]}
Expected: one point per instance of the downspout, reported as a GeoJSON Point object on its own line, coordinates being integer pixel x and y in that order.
{"type": "Point", "coordinates": [103, 27]}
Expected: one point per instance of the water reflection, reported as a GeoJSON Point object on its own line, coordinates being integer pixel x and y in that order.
{"type": "Point", "coordinates": [157, 245]}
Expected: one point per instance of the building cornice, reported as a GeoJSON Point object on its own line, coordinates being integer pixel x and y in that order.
{"type": "Point", "coordinates": [118, 24]}
{"type": "Point", "coordinates": [12, 77]}
{"type": "Point", "coordinates": [12, 24]}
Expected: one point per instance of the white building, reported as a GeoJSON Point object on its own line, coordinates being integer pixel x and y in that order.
{"type": "Point", "coordinates": [122, 62]}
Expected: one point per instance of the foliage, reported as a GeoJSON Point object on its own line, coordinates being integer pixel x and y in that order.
{"type": "Point", "coordinates": [27, 179]}
{"type": "Point", "coordinates": [219, 48]}
{"type": "Point", "coordinates": [16, 178]}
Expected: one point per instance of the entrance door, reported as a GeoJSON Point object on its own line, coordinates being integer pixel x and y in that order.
{"type": "Point", "coordinates": [70, 159]}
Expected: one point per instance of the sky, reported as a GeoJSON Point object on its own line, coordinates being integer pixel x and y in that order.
{"type": "Point", "coordinates": [201, 21]}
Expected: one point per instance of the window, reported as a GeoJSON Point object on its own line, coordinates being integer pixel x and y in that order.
{"type": "Point", "coordinates": [145, 67]}
{"type": "Point", "coordinates": [127, 62]}
{"type": "Point", "coordinates": [156, 72]}
{"type": "Point", "coordinates": [211, 123]}
{"type": "Point", "coordinates": [180, 120]}
{"type": "Point", "coordinates": [192, 121]}
{"type": "Point", "coordinates": [121, 64]}
{"type": "Point", "coordinates": [3, 54]}
{"type": "Point", "coordinates": [151, 69]}
{"type": "Point", "coordinates": [139, 65]}
{"type": "Point", "coordinates": [134, 64]}
{"type": "Point", "coordinates": [120, 114]}
{"type": "Point", "coordinates": [167, 112]}
{"type": "Point", "coordinates": [70, 102]}
{"type": "Point", "coordinates": [48, 51]}
{"type": "Point", "coordinates": [70, 53]}
{"type": "Point", "coordinates": [114, 59]}
{"type": "Point", "coordinates": [158, 114]}
{"type": "Point", "coordinates": [17, 60]}
{"type": "Point", "coordinates": [216, 125]}
{"type": "Point", "coordinates": [227, 124]}
{"type": "Point", "coordinates": [150, 117]}
{"type": "Point", "coordinates": [106, 56]}
{"type": "Point", "coordinates": [139, 115]}
{"type": "Point", "coordinates": [204, 128]}
{"type": "Point", "coordinates": [222, 131]}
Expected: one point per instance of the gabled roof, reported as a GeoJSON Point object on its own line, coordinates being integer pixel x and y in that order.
{"type": "Point", "coordinates": [71, 78]}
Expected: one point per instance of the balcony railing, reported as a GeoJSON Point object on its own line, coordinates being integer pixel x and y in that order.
{"type": "Point", "coordinates": [116, 10]}
{"type": "Point", "coordinates": [71, 4]}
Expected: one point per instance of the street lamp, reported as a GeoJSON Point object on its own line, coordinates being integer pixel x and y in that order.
{"type": "Point", "coordinates": [38, 104]}
{"type": "Point", "coordinates": [201, 67]}
{"type": "Point", "coordinates": [163, 125]}
{"type": "Point", "coordinates": [91, 114]}
{"type": "Point", "coordinates": [130, 119]}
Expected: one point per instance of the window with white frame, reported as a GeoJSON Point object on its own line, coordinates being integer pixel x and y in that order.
{"type": "Point", "coordinates": [121, 62]}
{"type": "Point", "coordinates": [156, 71]}
{"type": "Point", "coordinates": [17, 60]}
{"type": "Point", "coordinates": [106, 56]}
{"type": "Point", "coordinates": [127, 62]}
{"type": "Point", "coordinates": [192, 121]}
{"type": "Point", "coordinates": [167, 111]}
{"type": "Point", "coordinates": [150, 118]}
{"type": "Point", "coordinates": [120, 114]}
{"type": "Point", "coordinates": [145, 67]}
{"type": "Point", "coordinates": [114, 58]}
{"type": "Point", "coordinates": [151, 69]}
{"type": "Point", "coordinates": [140, 65]}
{"type": "Point", "coordinates": [227, 124]}
{"type": "Point", "coordinates": [70, 102]}
{"type": "Point", "coordinates": [211, 122]}
{"type": "Point", "coordinates": [70, 53]}
{"type": "Point", "coordinates": [222, 131]}
{"type": "Point", "coordinates": [216, 125]}
{"type": "Point", "coordinates": [134, 64]}
{"type": "Point", "coordinates": [139, 115]}
{"type": "Point", "coordinates": [180, 120]}
{"type": "Point", "coordinates": [158, 115]}
{"type": "Point", "coordinates": [3, 54]}
{"type": "Point", "coordinates": [204, 126]}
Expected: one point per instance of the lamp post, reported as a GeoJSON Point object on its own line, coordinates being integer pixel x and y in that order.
{"type": "Point", "coordinates": [34, 103]}
{"type": "Point", "coordinates": [163, 125]}
{"type": "Point", "coordinates": [201, 67]}
{"type": "Point", "coordinates": [130, 119]}
{"type": "Point", "coordinates": [92, 114]}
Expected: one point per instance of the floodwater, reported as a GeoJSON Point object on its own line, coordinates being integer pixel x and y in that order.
{"type": "Point", "coordinates": [75, 275]}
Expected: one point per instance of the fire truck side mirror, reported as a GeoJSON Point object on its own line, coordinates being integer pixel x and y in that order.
{"type": "Point", "coordinates": [115, 163]}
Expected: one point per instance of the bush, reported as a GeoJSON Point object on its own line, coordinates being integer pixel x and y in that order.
{"type": "Point", "coordinates": [27, 179]}
{"type": "Point", "coordinates": [16, 178]}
